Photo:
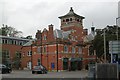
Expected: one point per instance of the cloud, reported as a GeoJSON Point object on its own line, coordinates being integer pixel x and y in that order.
{"type": "Point", "coordinates": [31, 15]}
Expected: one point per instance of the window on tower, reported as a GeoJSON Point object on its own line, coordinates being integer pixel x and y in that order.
{"type": "Point", "coordinates": [81, 21]}
{"type": "Point", "coordinates": [77, 20]}
{"type": "Point", "coordinates": [63, 20]}
{"type": "Point", "coordinates": [70, 19]}
{"type": "Point", "coordinates": [67, 20]}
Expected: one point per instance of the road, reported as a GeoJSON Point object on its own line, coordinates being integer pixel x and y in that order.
{"type": "Point", "coordinates": [63, 74]}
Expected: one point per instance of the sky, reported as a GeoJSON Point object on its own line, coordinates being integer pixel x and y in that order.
{"type": "Point", "coordinates": [29, 16]}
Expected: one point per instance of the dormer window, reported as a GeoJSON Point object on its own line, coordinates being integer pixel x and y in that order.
{"type": "Point", "coordinates": [45, 37]}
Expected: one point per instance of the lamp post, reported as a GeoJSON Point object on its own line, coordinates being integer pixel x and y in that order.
{"type": "Point", "coordinates": [104, 46]}
{"type": "Point", "coordinates": [117, 27]}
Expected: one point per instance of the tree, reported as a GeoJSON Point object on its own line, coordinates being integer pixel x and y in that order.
{"type": "Point", "coordinates": [4, 30]}
{"type": "Point", "coordinates": [10, 31]}
{"type": "Point", "coordinates": [98, 42]}
{"type": "Point", "coordinates": [98, 45]}
{"type": "Point", "coordinates": [17, 60]}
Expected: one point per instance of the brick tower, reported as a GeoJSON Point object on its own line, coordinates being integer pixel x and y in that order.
{"type": "Point", "coordinates": [71, 20]}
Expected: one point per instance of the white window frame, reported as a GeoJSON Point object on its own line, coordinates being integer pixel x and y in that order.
{"type": "Point", "coordinates": [29, 53]}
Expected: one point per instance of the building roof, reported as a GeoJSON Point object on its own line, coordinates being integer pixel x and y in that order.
{"type": "Point", "coordinates": [28, 43]}
{"type": "Point", "coordinates": [89, 37]}
{"type": "Point", "coordinates": [61, 34]}
{"type": "Point", "coordinates": [71, 13]}
{"type": "Point", "coordinates": [44, 29]}
{"type": "Point", "coordinates": [16, 38]}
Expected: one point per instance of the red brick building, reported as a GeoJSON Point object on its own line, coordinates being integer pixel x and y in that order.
{"type": "Point", "coordinates": [10, 50]}
{"type": "Point", "coordinates": [59, 49]}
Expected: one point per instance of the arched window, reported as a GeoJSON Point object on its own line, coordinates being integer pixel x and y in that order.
{"type": "Point", "coordinates": [63, 20]}
{"type": "Point", "coordinates": [67, 20]}
{"type": "Point", "coordinates": [70, 19]}
{"type": "Point", "coordinates": [78, 20]}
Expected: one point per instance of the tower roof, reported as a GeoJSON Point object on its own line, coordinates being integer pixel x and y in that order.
{"type": "Point", "coordinates": [71, 13]}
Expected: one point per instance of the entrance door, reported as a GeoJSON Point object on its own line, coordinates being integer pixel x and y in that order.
{"type": "Point", "coordinates": [79, 65]}
{"type": "Point", "coordinates": [29, 65]}
{"type": "Point", "coordinates": [73, 65]}
{"type": "Point", "coordinates": [65, 64]}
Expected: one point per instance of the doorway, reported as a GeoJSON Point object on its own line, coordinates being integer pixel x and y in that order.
{"type": "Point", "coordinates": [29, 65]}
{"type": "Point", "coordinates": [65, 64]}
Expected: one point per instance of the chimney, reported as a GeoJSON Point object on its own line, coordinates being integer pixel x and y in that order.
{"type": "Point", "coordinates": [50, 27]}
{"type": "Point", "coordinates": [38, 34]}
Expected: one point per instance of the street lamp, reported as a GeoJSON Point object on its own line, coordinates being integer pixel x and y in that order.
{"type": "Point", "coordinates": [104, 46]}
{"type": "Point", "coordinates": [117, 27]}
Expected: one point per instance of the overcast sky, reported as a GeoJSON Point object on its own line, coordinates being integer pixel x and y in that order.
{"type": "Point", "coordinates": [29, 16]}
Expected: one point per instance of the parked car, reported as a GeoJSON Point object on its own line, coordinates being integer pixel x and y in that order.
{"type": "Point", "coordinates": [39, 70]}
{"type": "Point", "coordinates": [5, 69]}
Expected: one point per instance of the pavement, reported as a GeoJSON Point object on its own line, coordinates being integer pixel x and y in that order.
{"type": "Point", "coordinates": [61, 74]}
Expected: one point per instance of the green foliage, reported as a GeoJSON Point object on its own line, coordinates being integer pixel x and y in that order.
{"type": "Point", "coordinates": [98, 42]}
{"type": "Point", "coordinates": [98, 45]}
{"type": "Point", "coordinates": [6, 30]}
{"type": "Point", "coordinates": [17, 60]}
